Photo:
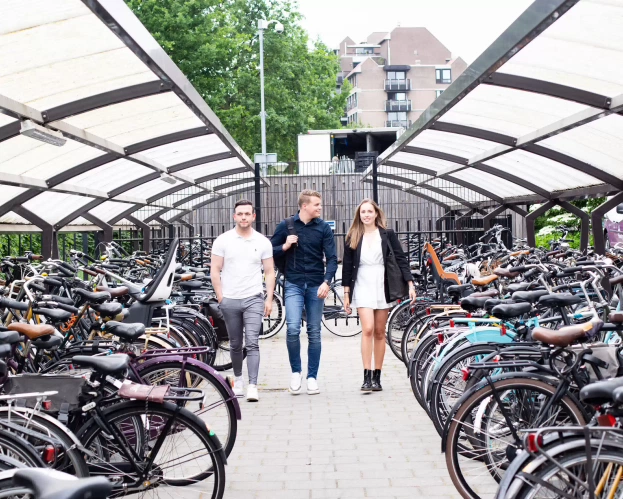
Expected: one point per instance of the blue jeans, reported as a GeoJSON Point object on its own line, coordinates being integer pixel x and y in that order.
{"type": "Point", "coordinates": [297, 298]}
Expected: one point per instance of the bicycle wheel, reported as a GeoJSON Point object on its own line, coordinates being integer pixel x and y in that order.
{"type": "Point", "coordinates": [448, 384]}
{"type": "Point", "coordinates": [423, 355]}
{"type": "Point", "coordinates": [334, 317]}
{"type": "Point", "coordinates": [479, 443]}
{"type": "Point", "coordinates": [276, 320]}
{"type": "Point", "coordinates": [396, 324]}
{"type": "Point", "coordinates": [42, 433]}
{"type": "Point", "coordinates": [17, 449]}
{"type": "Point", "coordinates": [189, 455]}
{"type": "Point", "coordinates": [217, 407]}
{"type": "Point", "coordinates": [569, 479]}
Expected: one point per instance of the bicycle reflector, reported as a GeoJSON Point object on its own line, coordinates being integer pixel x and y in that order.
{"type": "Point", "coordinates": [503, 330]}
{"type": "Point", "coordinates": [49, 454]}
{"type": "Point", "coordinates": [427, 310]}
{"type": "Point", "coordinates": [47, 405]}
{"type": "Point", "coordinates": [534, 442]}
{"type": "Point", "coordinates": [465, 372]}
{"type": "Point", "coordinates": [451, 323]}
{"type": "Point", "coordinates": [606, 420]}
{"type": "Point", "coordinates": [440, 337]}
{"type": "Point", "coordinates": [211, 319]}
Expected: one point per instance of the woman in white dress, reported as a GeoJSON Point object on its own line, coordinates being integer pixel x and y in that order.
{"type": "Point", "coordinates": [364, 278]}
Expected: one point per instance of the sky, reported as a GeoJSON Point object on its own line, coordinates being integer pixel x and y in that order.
{"type": "Point", "coordinates": [466, 27]}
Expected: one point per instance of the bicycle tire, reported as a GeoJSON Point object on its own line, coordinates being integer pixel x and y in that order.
{"type": "Point", "coordinates": [230, 416]}
{"type": "Point", "coordinates": [462, 416]}
{"type": "Point", "coordinates": [277, 319]}
{"type": "Point", "coordinates": [90, 433]}
{"type": "Point", "coordinates": [334, 311]}
{"type": "Point", "coordinates": [399, 318]}
{"type": "Point", "coordinates": [18, 449]}
{"type": "Point", "coordinates": [424, 350]}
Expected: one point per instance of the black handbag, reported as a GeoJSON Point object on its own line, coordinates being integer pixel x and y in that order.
{"type": "Point", "coordinates": [397, 287]}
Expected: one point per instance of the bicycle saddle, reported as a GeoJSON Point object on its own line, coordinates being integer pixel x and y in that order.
{"type": "Point", "coordinates": [494, 302]}
{"type": "Point", "coordinates": [9, 337]}
{"type": "Point", "coordinates": [473, 303]}
{"type": "Point", "coordinates": [188, 285]}
{"type": "Point", "coordinates": [114, 292]}
{"type": "Point", "coordinates": [51, 484]}
{"type": "Point", "coordinates": [199, 269]}
{"type": "Point", "coordinates": [559, 300]}
{"type": "Point", "coordinates": [58, 299]}
{"type": "Point", "coordinates": [88, 296]}
{"type": "Point", "coordinates": [489, 293]}
{"type": "Point", "coordinates": [111, 364]}
{"type": "Point", "coordinates": [601, 392]}
{"type": "Point", "coordinates": [48, 342]}
{"type": "Point", "coordinates": [54, 314]}
{"type": "Point", "coordinates": [518, 286]}
{"type": "Point", "coordinates": [617, 394]}
{"type": "Point", "coordinates": [14, 304]}
{"type": "Point", "coordinates": [130, 331]}
{"type": "Point", "coordinates": [32, 331]}
{"type": "Point", "coordinates": [567, 335]}
{"type": "Point", "coordinates": [615, 317]}
{"type": "Point", "coordinates": [111, 309]}
{"type": "Point", "coordinates": [484, 281]}
{"type": "Point", "coordinates": [511, 310]}
{"type": "Point", "coordinates": [502, 272]}
{"type": "Point", "coordinates": [529, 296]}
{"type": "Point", "coordinates": [458, 290]}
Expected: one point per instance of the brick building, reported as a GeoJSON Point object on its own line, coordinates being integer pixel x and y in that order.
{"type": "Point", "coordinates": [395, 76]}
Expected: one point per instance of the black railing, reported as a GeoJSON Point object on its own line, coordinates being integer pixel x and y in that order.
{"type": "Point", "coordinates": [392, 85]}
{"type": "Point", "coordinates": [397, 105]}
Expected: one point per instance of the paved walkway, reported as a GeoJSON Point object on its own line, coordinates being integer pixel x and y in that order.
{"type": "Point", "coordinates": [338, 444]}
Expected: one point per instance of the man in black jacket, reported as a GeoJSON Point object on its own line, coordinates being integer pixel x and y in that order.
{"type": "Point", "coordinates": [307, 283]}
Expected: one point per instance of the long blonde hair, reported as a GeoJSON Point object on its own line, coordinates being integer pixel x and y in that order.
{"type": "Point", "coordinates": [355, 233]}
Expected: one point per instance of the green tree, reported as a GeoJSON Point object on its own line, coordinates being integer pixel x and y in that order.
{"type": "Point", "coordinates": [215, 44]}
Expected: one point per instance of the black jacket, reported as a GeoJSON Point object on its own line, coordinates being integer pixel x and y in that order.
{"type": "Point", "coordinates": [350, 263]}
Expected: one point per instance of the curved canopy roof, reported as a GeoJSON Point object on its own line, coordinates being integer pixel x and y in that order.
{"type": "Point", "coordinates": [537, 116]}
{"type": "Point", "coordinates": [135, 129]}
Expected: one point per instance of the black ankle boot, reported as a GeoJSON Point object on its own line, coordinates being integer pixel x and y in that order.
{"type": "Point", "coordinates": [376, 381]}
{"type": "Point", "coordinates": [367, 381]}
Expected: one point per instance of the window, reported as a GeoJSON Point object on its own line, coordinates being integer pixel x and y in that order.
{"type": "Point", "coordinates": [398, 96]}
{"type": "Point", "coordinates": [396, 75]}
{"type": "Point", "coordinates": [443, 76]}
{"type": "Point", "coordinates": [438, 93]}
{"type": "Point", "coordinates": [353, 80]}
{"type": "Point", "coordinates": [400, 116]}
{"type": "Point", "coordinates": [353, 118]}
{"type": "Point", "coordinates": [364, 50]}
{"type": "Point", "coordinates": [351, 101]}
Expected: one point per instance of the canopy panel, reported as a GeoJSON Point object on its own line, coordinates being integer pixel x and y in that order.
{"type": "Point", "coordinates": [535, 117]}
{"type": "Point", "coordinates": [90, 73]}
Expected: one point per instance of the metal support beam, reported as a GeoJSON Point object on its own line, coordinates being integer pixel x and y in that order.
{"type": "Point", "coordinates": [599, 240]}
{"type": "Point", "coordinates": [584, 219]}
{"type": "Point", "coordinates": [145, 229]}
{"type": "Point", "coordinates": [531, 218]}
{"type": "Point", "coordinates": [200, 161]}
{"type": "Point", "coordinates": [375, 180]}
{"type": "Point", "coordinates": [49, 247]}
{"type": "Point", "coordinates": [72, 216]}
{"type": "Point", "coordinates": [416, 194]}
{"type": "Point", "coordinates": [258, 198]}
{"type": "Point", "coordinates": [106, 228]}
{"type": "Point", "coordinates": [124, 214]}
{"type": "Point", "coordinates": [489, 216]}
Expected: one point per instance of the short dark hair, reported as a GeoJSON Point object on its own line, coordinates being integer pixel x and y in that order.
{"type": "Point", "coordinates": [244, 202]}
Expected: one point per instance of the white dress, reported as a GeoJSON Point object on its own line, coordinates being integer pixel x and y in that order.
{"type": "Point", "coordinates": [369, 289]}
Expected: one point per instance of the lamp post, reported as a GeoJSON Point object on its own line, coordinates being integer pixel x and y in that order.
{"type": "Point", "coordinates": [262, 25]}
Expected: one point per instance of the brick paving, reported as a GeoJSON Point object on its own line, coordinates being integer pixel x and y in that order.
{"type": "Point", "coordinates": [338, 444]}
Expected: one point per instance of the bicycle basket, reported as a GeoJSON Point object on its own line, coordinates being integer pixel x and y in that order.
{"type": "Point", "coordinates": [69, 389]}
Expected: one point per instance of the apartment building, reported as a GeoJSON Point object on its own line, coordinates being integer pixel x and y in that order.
{"type": "Point", "coordinates": [395, 76]}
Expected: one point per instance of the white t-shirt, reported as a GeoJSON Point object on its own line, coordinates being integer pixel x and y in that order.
{"type": "Point", "coordinates": [241, 276]}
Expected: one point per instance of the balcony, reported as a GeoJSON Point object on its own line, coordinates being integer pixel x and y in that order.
{"type": "Point", "coordinates": [397, 105]}
{"type": "Point", "coordinates": [398, 124]}
{"type": "Point", "coordinates": [393, 85]}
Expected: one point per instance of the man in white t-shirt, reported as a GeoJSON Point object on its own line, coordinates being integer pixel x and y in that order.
{"type": "Point", "coordinates": [238, 256]}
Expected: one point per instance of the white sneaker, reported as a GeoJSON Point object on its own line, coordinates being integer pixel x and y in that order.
{"type": "Point", "coordinates": [312, 386]}
{"type": "Point", "coordinates": [252, 395]}
{"type": "Point", "coordinates": [238, 386]}
{"type": "Point", "coordinates": [295, 384]}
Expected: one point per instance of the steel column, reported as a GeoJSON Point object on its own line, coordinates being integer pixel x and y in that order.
{"type": "Point", "coordinates": [258, 198]}
{"type": "Point", "coordinates": [375, 180]}
{"type": "Point", "coordinates": [145, 229]}
{"type": "Point", "coordinates": [597, 217]}
{"type": "Point", "coordinates": [531, 218]}
{"type": "Point", "coordinates": [584, 218]}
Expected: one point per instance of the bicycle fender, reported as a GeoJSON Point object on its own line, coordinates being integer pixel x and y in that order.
{"type": "Point", "coordinates": [531, 375]}
{"type": "Point", "coordinates": [202, 365]}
